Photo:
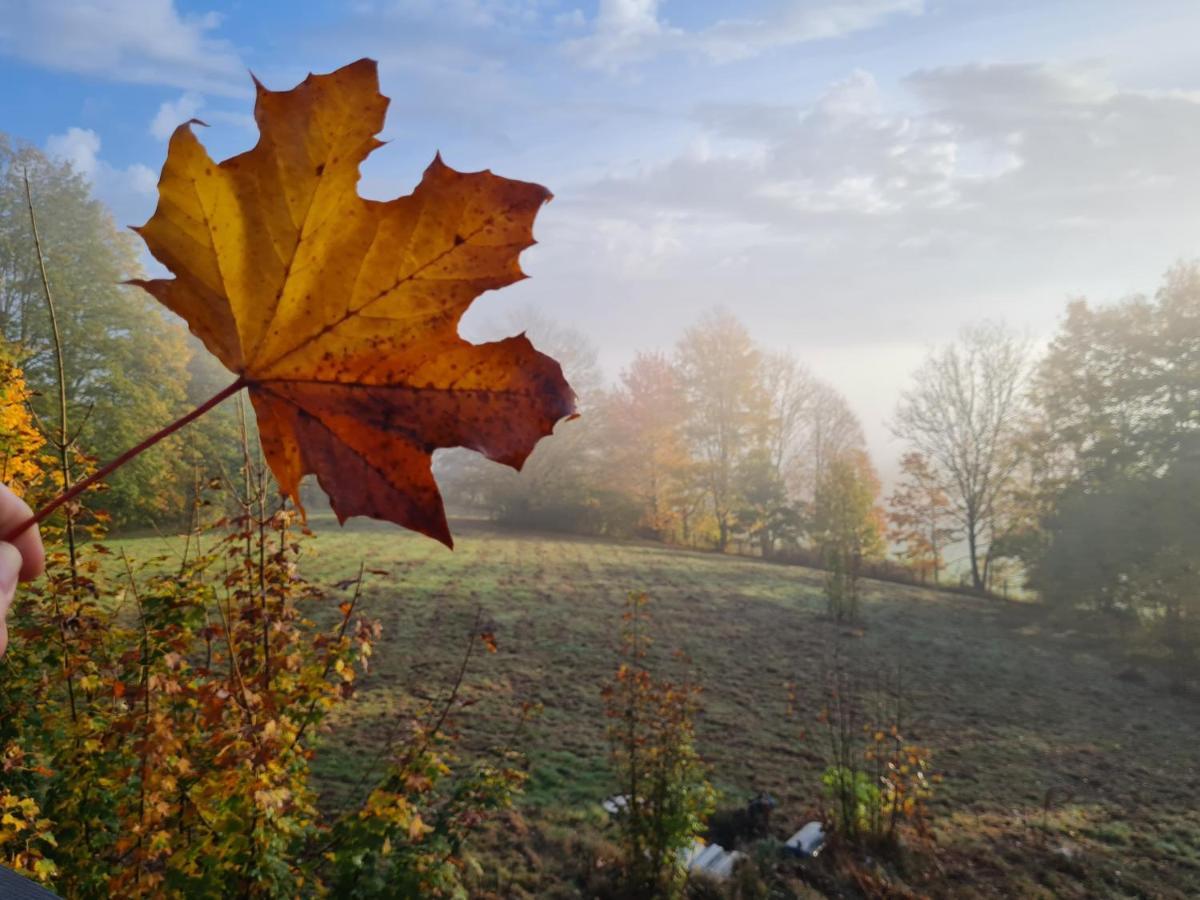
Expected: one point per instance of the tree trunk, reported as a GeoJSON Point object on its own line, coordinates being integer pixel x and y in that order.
{"type": "Point", "coordinates": [976, 576]}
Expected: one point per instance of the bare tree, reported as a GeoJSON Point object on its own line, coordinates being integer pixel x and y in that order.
{"type": "Point", "coordinates": [829, 430]}
{"type": "Point", "coordinates": [720, 370]}
{"type": "Point", "coordinates": [644, 454]}
{"type": "Point", "coordinates": [788, 388]}
{"type": "Point", "coordinates": [963, 414]}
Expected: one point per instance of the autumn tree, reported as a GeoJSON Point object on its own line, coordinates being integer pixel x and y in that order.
{"type": "Point", "coordinates": [768, 512]}
{"type": "Point", "coordinates": [765, 513]}
{"type": "Point", "coordinates": [1117, 396]}
{"type": "Point", "coordinates": [963, 415]}
{"type": "Point", "coordinates": [645, 454]}
{"type": "Point", "coordinates": [126, 363]}
{"type": "Point", "coordinates": [26, 838]}
{"type": "Point", "coordinates": [920, 516]}
{"type": "Point", "coordinates": [1119, 386]}
{"type": "Point", "coordinates": [788, 390]}
{"type": "Point", "coordinates": [829, 430]}
{"type": "Point", "coordinates": [803, 425]}
{"type": "Point", "coordinates": [1129, 546]}
{"type": "Point", "coordinates": [1113, 399]}
{"type": "Point", "coordinates": [722, 441]}
{"type": "Point", "coordinates": [21, 444]}
{"type": "Point", "coordinates": [846, 527]}
{"type": "Point", "coordinates": [720, 370]}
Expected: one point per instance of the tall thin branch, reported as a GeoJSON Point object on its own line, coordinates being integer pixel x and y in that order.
{"type": "Point", "coordinates": [63, 443]}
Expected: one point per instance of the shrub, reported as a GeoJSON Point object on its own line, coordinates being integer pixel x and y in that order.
{"type": "Point", "coordinates": [847, 529]}
{"type": "Point", "coordinates": [664, 781]}
{"type": "Point", "coordinates": [159, 728]}
{"type": "Point", "coordinates": [875, 780]}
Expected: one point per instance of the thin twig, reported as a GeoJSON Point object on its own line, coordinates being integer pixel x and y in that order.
{"type": "Point", "coordinates": [330, 662]}
{"type": "Point", "coordinates": [87, 414]}
{"type": "Point", "coordinates": [146, 706]}
{"type": "Point", "coordinates": [63, 445]}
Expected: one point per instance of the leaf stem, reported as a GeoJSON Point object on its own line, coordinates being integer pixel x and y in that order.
{"type": "Point", "coordinates": [79, 487]}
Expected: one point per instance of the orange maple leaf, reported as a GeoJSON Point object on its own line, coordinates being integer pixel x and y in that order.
{"type": "Point", "coordinates": [341, 314]}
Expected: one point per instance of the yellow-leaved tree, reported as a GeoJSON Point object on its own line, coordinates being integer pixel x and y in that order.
{"type": "Point", "coordinates": [24, 831]}
{"type": "Point", "coordinates": [20, 442]}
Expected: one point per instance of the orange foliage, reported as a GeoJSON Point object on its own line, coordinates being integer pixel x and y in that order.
{"type": "Point", "coordinates": [341, 314]}
{"type": "Point", "coordinates": [920, 517]}
{"type": "Point", "coordinates": [648, 457]}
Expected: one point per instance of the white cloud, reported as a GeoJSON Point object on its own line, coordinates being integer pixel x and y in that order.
{"type": "Point", "coordinates": [129, 192]}
{"type": "Point", "coordinates": [645, 249]}
{"type": "Point", "coordinates": [142, 180]}
{"type": "Point", "coordinates": [632, 18]}
{"type": "Point", "coordinates": [456, 13]}
{"type": "Point", "coordinates": [989, 150]}
{"type": "Point", "coordinates": [846, 154]}
{"type": "Point", "coordinates": [140, 41]}
{"type": "Point", "coordinates": [624, 31]}
{"type": "Point", "coordinates": [630, 31]}
{"type": "Point", "coordinates": [872, 217]}
{"type": "Point", "coordinates": [798, 23]}
{"type": "Point", "coordinates": [78, 146]}
{"type": "Point", "coordinates": [173, 113]}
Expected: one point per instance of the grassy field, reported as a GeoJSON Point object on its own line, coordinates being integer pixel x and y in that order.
{"type": "Point", "coordinates": [1011, 706]}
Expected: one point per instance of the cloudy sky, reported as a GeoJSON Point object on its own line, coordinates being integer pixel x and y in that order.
{"type": "Point", "coordinates": [855, 179]}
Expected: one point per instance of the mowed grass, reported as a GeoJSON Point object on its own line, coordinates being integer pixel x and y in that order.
{"type": "Point", "coordinates": [1013, 710]}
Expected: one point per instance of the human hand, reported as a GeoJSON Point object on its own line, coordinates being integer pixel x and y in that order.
{"type": "Point", "coordinates": [21, 560]}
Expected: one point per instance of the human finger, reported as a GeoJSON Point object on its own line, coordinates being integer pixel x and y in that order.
{"type": "Point", "coordinates": [14, 511]}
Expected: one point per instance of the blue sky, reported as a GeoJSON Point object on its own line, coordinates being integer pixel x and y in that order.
{"type": "Point", "coordinates": [855, 179]}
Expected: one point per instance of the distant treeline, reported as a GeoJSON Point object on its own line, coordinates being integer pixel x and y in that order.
{"type": "Point", "coordinates": [1073, 474]}
{"type": "Point", "coordinates": [718, 443]}
{"type": "Point", "coordinates": [721, 444]}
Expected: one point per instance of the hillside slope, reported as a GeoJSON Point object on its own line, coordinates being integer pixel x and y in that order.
{"type": "Point", "coordinates": [1010, 708]}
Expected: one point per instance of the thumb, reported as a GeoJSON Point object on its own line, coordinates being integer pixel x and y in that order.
{"type": "Point", "coordinates": [10, 569]}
